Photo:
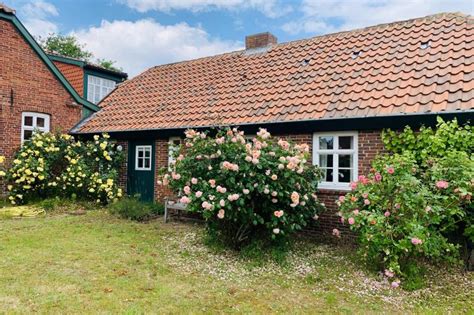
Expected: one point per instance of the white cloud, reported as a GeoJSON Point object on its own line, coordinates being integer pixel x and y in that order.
{"type": "Point", "coordinates": [324, 16]}
{"type": "Point", "coordinates": [36, 16]}
{"type": "Point", "coordinates": [139, 45]}
{"type": "Point", "coordinates": [271, 8]}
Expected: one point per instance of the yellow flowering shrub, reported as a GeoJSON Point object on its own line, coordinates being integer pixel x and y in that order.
{"type": "Point", "coordinates": [51, 165]}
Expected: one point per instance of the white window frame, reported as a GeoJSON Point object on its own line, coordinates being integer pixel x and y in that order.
{"type": "Point", "coordinates": [171, 160]}
{"type": "Point", "coordinates": [34, 126]}
{"type": "Point", "coordinates": [335, 184]}
{"type": "Point", "coordinates": [143, 148]}
{"type": "Point", "coordinates": [92, 88]}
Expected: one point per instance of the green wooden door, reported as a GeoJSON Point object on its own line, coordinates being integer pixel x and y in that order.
{"type": "Point", "coordinates": [141, 169]}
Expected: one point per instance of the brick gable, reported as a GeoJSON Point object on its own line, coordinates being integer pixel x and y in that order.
{"type": "Point", "coordinates": [27, 84]}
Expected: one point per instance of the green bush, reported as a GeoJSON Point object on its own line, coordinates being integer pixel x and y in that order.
{"type": "Point", "coordinates": [398, 216]}
{"type": "Point", "coordinates": [50, 165]}
{"type": "Point", "coordinates": [246, 189]}
{"type": "Point", "coordinates": [133, 209]}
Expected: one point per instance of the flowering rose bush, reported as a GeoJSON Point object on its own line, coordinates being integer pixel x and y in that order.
{"type": "Point", "coordinates": [401, 215]}
{"type": "Point", "coordinates": [246, 189]}
{"type": "Point", "coordinates": [52, 165]}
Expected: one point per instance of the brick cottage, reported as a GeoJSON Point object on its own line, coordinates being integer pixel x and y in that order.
{"type": "Point", "coordinates": [334, 92]}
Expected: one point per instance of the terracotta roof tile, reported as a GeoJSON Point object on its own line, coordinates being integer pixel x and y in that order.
{"type": "Point", "coordinates": [316, 78]}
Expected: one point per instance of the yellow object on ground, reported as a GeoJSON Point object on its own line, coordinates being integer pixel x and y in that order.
{"type": "Point", "coordinates": [21, 211]}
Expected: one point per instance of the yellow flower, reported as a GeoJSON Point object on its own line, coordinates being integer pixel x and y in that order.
{"type": "Point", "coordinates": [108, 158]}
{"type": "Point", "coordinates": [10, 187]}
{"type": "Point", "coordinates": [110, 182]}
{"type": "Point", "coordinates": [96, 137]}
{"type": "Point", "coordinates": [103, 145]}
{"type": "Point", "coordinates": [73, 161]}
{"type": "Point", "coordinates": [39, 143]}
{"type": "Point", "coordinates": [2, 173]}
{"type": "Point", "coordinates": [28, 171]}
{"type": "Point", "coordinates": [2, 159]}
{"type": "Point", "coordinates": [16, 161]}
{"type": "Point", "coordinates": [40, 177]}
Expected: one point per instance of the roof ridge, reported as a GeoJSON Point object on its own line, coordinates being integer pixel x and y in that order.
{"type": "Point", "coordinates": [357, 30]}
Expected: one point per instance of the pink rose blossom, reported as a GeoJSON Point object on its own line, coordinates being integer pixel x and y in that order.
{"type": "Point", "coordinates": [194, 181]}
{"type": "Point", "coordinates": [378, 177]}
{"type": "Point", "coordinates": [281, 166]}
{"type": "Point", "coordinates": [206, 205]}
{"type": "Point", "coordinates": [187, 190]}
{"type": "Point", "coordinates": [198, 194]}
{"type": "Point", "coordinates": [354, 185]}
{"type": "Point", "coordinates": [390, 170]}
{"type": "Point", "coordinates": [185, 200]}
{"type": "Point", "coordinates": [222, 203]}
{"type": "Point", "coordinates": [428, 209]}
{"type": "Point", "coordinates": [175, 176]}
{"type": "Point", "coordinates": [246, 191]}
{"type": "Point", "coordinates": [336, 233]}
{"type": "Point", "coordinates": [365, 195]}
{"type": "Point", "coordinates": [342, 198]}
{"type": "Point", "coordinates": [395, 284]}
{"type": "Point", "coordinates": [248, 158]}
{"type": "Point", "coordinates": [366, 202]}
{"type": "Point", "coordinates": [442, 184]}
{"type": "Point", "coordinates": [416, 241]}
{"type": "Point", "coordinates": [276, 231]}
{"type": "Point", "coordinates": [397, 206]}
{"type": "Point", "coordinates": [342, 220]}
{"type": "Point", "coordinates": [387, 213]}
{"type": "Point", "coordinates": [356, 212]}
{"type": "Point", "coordinates": [274, 193]}
{"type": "Point", "coordinates": [212, 182]}
{"type": "Point", "coordinates": [389, 274]}
{"type": "Point", "coordinates": [351, 220]}
{"type": "Point", "coordinates": [266, 191]}
{"type": "Point", "coordinates": [295, 197]}
{"type": "Point", "coordinates": [274, 177]}
{"type": "Point", "coordinates": [221, 214]}
{"type": "Point", "coordinates": [274, 200]}
{"type": "Point", "coordinates": [278, 214]}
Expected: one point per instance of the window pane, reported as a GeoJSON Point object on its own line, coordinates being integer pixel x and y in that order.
{"type": "Point", "coordinates": [28, 121]}
{"type": "Point", "coordinates": [140, 153]}
{"type": "Point", "coordinates": [345, 160]}
{"type": "Point", "coordinates": [39, 122]}
{"type": "Point", "coordinates": [346, 142]}
{"type": "Point", "coordinates": [326, 143]}
{"type": "Point", "coordinates": [327, 174]}
{"type": "Point", "coordinates": [345, 176]}
{"type": "Point", "coordinates": [325, 160]}
{"type": "Point", "coordinates": [147, 153]}
{"type": "Point", "coordinates": [27, 134]}
{"type": "Point", "coordinates": [140, 163]}
{"type": "Point", "coordinates": [147, 163]}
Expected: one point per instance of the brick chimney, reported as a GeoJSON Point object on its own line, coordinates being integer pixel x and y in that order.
{"type": "Point", "coordinates": [260, 40]}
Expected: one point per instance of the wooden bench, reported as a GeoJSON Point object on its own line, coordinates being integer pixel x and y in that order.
{"type": "Point", "coordinates": [173, 205]}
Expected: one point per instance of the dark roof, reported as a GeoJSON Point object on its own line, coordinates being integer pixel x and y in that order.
{"type": "Point", "coordinates": [419, 66]}
{"type": "Point", "coordinates": [8, 14]}
{"type": "Point", "coordinates": [86, 65]}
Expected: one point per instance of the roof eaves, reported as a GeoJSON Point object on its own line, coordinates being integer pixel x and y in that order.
{"type": "Point", "coordinates": [40, 52]}
{"type": "Point", "coordinates": [76, 129]}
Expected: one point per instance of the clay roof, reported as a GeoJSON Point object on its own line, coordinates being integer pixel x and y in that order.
{"type": "Point", "coordinates": [418, 66]}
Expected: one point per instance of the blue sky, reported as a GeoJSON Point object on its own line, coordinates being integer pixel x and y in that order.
{"type": "Point", "coordinates": [138, 34]}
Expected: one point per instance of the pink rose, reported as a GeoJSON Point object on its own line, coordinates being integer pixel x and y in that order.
{"type": "Point", "coordinates": [356, 212]}
{"type": "Point", "coordinates": [366, 202]}
{"type": "Point", "coordinates": [274, 193]}
{"type": "Point", "coordinates": [336, 233]}
{"type": "Point", "coordinates": [416, 241]}
{"type": "Point", "coordinates": [194, 181]}
{"type": "Point", "coordinates": [354, 185]}
{"type": "Point", "coordinates": [387, 213]}
{"type": "Point", "coordinates": [342, 220]}
{"type": "Point", "coordinates": [395, 284]}
{"type": "Point", "coordinates": [185, 200]}
{"type": "Point", "coordinates": [342, 198]}
{"type": "Point", "coordinates": [378, 177]}
{"type": "Point", "coordinates": [389, 274]}
{"type": "Point", "coordinates": [390, 170]}
{"type": "Point", "coordinates": [198, 194]}
{"type": "Point", "coordinates": [274, 177]}
{"type": "Point", "coordinates": [246, 191]}
{"type": "Point", "coordinates": [221, 214]}
{"type": "Point", "coordinates": [222, 203]}
{"type": "Point", "coordinates": [276, 231]}
{"type": "Point", "coordinates": [187, 190]}
{"type": "Point", "coordinates": [351, 221]}
{"type": "Point", "coordinates": [442, 184]}
{"type": "Point", "coordinates": [212, 182]}
{"type": "Point", "coordinates": [278, 214]}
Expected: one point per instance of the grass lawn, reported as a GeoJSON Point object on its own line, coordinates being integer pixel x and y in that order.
{"type": "Point", "coordinates": [97, 263]}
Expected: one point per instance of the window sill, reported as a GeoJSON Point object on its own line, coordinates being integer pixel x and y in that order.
{"type": "Point", "coordinates": [340, 187]}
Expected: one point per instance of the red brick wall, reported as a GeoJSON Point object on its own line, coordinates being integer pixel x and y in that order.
{"type": "Point", "coordinates": [74, 74]}
{"type": "Point", "coordinates": [34, 88]}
